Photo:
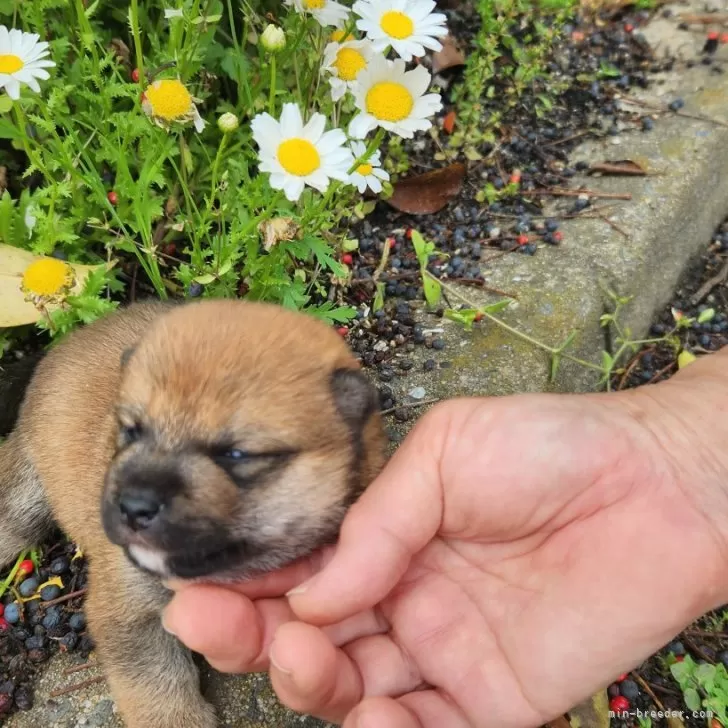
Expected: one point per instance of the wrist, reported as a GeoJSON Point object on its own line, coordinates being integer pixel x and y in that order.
{"type": "Point", "coordinates": [685, 423]}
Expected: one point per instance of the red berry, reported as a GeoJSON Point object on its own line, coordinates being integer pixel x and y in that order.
{"type": "Point", "coordinates": [478, 317]}
{"type": "Point", "coordinates": [620, 704]}
{"type": "Point", "coordinates": [4, 626]}
{"type": "Point", "coordinates": [26, 567]}
{"type": "Point", "coordinates": [2, 609]}
{"type": "Point", "coordinates": [628, 27]}
{"type": "Point", "coordinates": [679, 658]}
{"type": "Point", "coordinates": [515, 177]}
{"type": "Point", "coordinates": [724, 38]}
{"type": "Point", "coordinates": [346, 259]}
{"type": "Point", "coordinates": [713, 35]}
{"type": "Point", "coordinates": [170, 249]}
{"type": "Point", "coordinates": [392, 242]}
{"type": "Point", "coordinates": [135, 75]}
{"type": "Point", "coordinates": [342, 330]}
{"type": "Point", "coordinates": [522, 239]}
{"type": "Point", "coordinates": [623, 676]}
{"type": "Point", "coordinates": [408, 234]}
{"type": "Point", "coordinates": [558, 236]}
{"type": "Point", "coordinates": [113, 197]}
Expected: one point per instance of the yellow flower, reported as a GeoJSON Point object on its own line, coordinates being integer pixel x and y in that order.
{"type": "Point", "coordinates": [168, 101]}
{"type": "Point", "coordinates": [47, 278]}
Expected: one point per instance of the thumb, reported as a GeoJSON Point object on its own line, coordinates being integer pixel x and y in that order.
{"type": "Point", "coordinates": [395, 518]}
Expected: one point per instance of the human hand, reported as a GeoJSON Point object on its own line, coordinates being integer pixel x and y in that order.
{"type": "Point", "coordinates": [515, 556]}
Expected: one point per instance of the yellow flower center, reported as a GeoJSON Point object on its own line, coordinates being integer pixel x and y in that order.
{"type": "Point", "coordinates": [338, 36]}
{"type": "Point", "coordinates": [364, 169]}
{"type": "Point", "coordinates": [299, 157]}
{"type": "Point", "coordinates": [47, 277]}
{"type": "Point", "coordinates": [314, 4]}
{"type": "Point", "coordinates": [396, 24]}
{"type": "Point", "coordinates": [169, 99]}
{"type": "Point", "coordinates": [10, 63]}
{"type": "Point", "coordinates": [348, 63]}
{"type": "Point", "coordinates": [389, 101]}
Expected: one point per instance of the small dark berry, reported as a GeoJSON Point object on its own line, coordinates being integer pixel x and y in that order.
{"type": "Point", "coordinates": [52, 618]}
{"type": "Point", "coordinates": [28, 587]}
{"type": "Point", "coordinates": [438, 344]}
{"type": "Point", "coordinates": [676, 105]}
{"type": "Point", "coordinates": [68, 642]}
{"type": "Point", "coordinates": [613, 690]}
{"type": "Point", "coordinates": [629, 689]}
{"type": "Point", "coordinates": [12, 613]}
{"type": "Point", "coordinates": [195, 290]}
{"type": "Point", "coordinates": [647, 124]}
{"type": "Point", "coordinates": [429, 365]}
{"type": "Point", "coordinates": [552, 225]}
{"type": "Point", "coordinates": [50, 592]}
{"type": "Point", "coordinates": [59, 565]}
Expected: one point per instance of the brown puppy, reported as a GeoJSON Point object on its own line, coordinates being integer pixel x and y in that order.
{"type": "Point", "coordinates": [205, 441]}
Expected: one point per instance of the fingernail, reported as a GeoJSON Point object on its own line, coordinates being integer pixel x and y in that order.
{"type": "Point", "coordinates": [166, 626]}
{"type": "Point", "coordinates": [276, 662]}
{"type": "Point", "coordinates": [301, 588]}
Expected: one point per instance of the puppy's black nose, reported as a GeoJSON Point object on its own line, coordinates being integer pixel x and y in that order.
{"type": "Point", "coordinates": [139, 508]}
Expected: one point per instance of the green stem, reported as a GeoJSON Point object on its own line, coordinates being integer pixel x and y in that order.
{"type": "Point", "coordinates": [272, 100]}
{"type": "Point", "coordinates": [136, 33]}
{"type": "Point", "coordinates": [215, 167]}
{"type": "Point", "coordinates": [535, 342]}
{"type": "Point", "coordinates": [13, 572]}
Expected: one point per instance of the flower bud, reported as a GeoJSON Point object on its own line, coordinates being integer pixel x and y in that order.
{"type": "Point", "coordinates": [228, 123]}
{"type": "Point", "coordinates": [273, 39]}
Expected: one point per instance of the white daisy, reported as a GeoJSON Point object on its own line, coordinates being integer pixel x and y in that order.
{"type": "Point", "coordinates": [326, 12]}
{"type": "Point", "coordinates": [344, 61]}
{"type": "Point", "coordinates": [369, 173]}
{"type": "Point", "coordinates": [22, 61]}
{"type": "Point", "coordinates": [296, 155]}
{"type": "Point", "coordinates": [395, 99]}
{"type": "Point", "coordinates": [168, 101]}
{"type": "Point", "coordinates": [409, 26]}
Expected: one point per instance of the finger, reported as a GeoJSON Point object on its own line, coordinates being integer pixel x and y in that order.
{"type": "Point", "coordinates": [421, 709]}
{"type": "Point", "coordinates": [234, 633]}
{"type": "Point", "coordinates": [395, 518]}
{"type": "Point", "coordinates": [314, 677]}
{"type": "Point", "coordinates": [310, 675]}
{"type": "Point", "coordinates": [231, 631]}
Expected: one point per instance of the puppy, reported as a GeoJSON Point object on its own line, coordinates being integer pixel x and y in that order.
{"type": "Point", "coordinates": [205, 441]}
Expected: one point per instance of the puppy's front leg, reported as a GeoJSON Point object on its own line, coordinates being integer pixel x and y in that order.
{"type": "Point", "coordinates": [152, 676]}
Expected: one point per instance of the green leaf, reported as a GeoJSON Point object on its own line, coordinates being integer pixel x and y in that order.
{"type": "Point", "coordinates": [692, 699]}
{"type": "Point", "coordinates": [466, 317]}
{"type": "Point", "coordinates": [379, 297]}
{"type": "Point", "coordinates": [607, 361]}
{"type": "Point", "coordinates": [433, 290]}
{"type": "Point", "coordinates": [420, 248]}
{"type": "Point", "coordinates": [497, 307]}
{"type": "Point", "coordinates": [707, 315]}
{"type": "Point", "coordinates": [555, 363]}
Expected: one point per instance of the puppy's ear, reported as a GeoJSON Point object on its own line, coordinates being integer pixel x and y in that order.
{"type": "Point", "coordinates": [355, 396]}
{"type": "Point", "coordinates": [126, 355]}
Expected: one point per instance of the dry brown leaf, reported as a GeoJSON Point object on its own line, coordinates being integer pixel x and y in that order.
{"type": "Point", "coordinates": [620, 167]}
{"type": "Point", "coordinates": [449, 57]}
{"type": "Point", "coordinates": [592, 713]}
{"type": "Point", "coordinates": [427, 193]}
{"type": "Point", "coordinates": [278, 229]}
{"type": "Point", "coordinates": [448, 123]}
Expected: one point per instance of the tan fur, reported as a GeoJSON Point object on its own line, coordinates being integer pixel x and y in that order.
{"type": "Point", "coordinates": [257, 377]}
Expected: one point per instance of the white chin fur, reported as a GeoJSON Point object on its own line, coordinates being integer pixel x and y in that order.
{"type": "Point", "coordinates": [150, 559]}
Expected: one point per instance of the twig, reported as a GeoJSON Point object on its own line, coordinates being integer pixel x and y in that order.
{"type": "Point", "coordinates": [662, 371]}
{"type": "Point", "coordinates": [614, 226]}
{"type": "Point", "coordinates": [698, 650]}
{"type": "Point", "coordinates": [609, 168]}
{"type": "Point", "coordinates": [409, 405]}
{"type": "Point", "coordinates": [648, 690]}
{"type": "Point", "coordinates": [78, 686]}
{"type": "Point", "coordinates": [576, 193]}
{"type": "Point", "coordinates": [684, 114]}
{"type": "Point", "coordinates": [635, 360]}
{"type": "Point", "coordinates": [568, 139]}
{"type": "Point", "coordinates": [706, 633]}
{"type": "Point", "coordinates": [704, 19]}
{"type": "Point", "coordinates": [79, 668]}
{"type": "Point", "coordinates": [65, 597]}
{"type": "Point", "coordinates": [382, 263]}
{"type": "Point", "coordinates": [710, 284]}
